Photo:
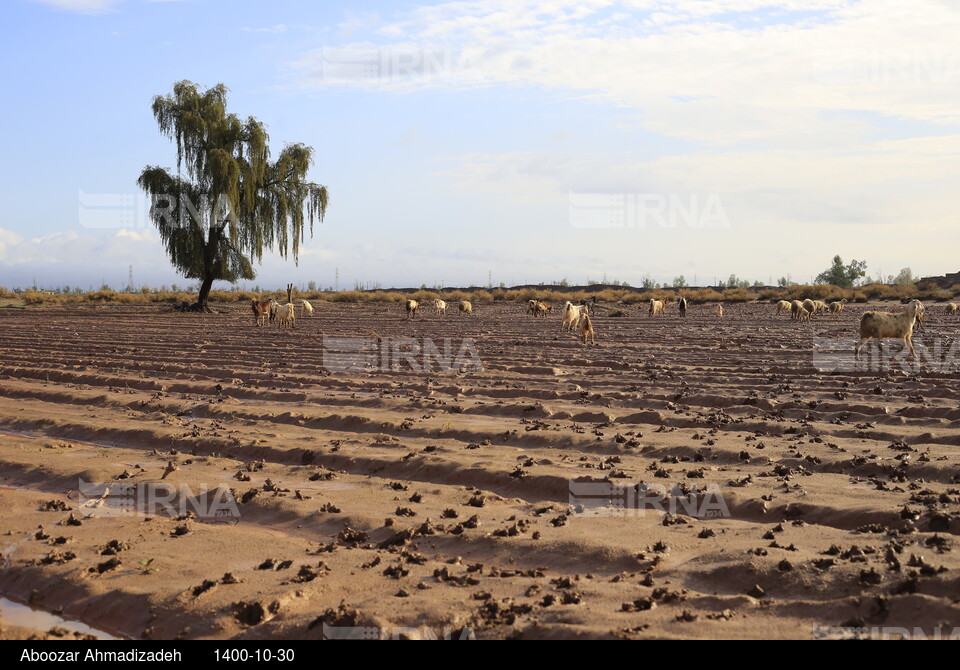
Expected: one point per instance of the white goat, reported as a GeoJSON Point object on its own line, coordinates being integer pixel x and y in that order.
{"type": "Point", "coordinates": [571, 316]}
{"type": "Point", "coordinates": [881, 325]}
{"type": "Point", "coordinates": [286, 316]}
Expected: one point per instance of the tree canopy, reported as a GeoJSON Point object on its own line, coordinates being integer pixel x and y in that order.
{"type": "Point", "coordinates": [228, 202]}
{"type": "Point", "coordinates": [839, 274]}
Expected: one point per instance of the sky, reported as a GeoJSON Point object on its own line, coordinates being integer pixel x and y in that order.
{"type": "Point", "coordinates": [509, 141]}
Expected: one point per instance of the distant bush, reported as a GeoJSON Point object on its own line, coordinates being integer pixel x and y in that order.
{"type": "Point", "coordinates": [424, 296]}
{"type": "Point", "coordinates": [702, 295]}
{"type": "Point", "coordinates": [41, 298]}
{"type": "Point", "coordinates": [737, 295]}
{"type": "Point", "coordinates": [481, 296]}
{"type": "Point", "coordinates": [929, 291]}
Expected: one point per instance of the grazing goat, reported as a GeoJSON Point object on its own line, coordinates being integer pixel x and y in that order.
{"type": "Point", "coordinates": [682, 304]}
{"type": "Point", "coordinates": [571, 316]}
{"type": "Point", "coordinates": [720, 311]}
{"type": "Point", "coordinates": [795, 308]}
{"type": "Point", "coordinates": [589, 305]}
{"type": "Point", "coordinates": [951, 308]}
{"type": "Point", "coordinates": [307, 308]}
{"type": "Point", "coordinates": [803, 316]}
{"type": "Point", "coordinates": [466, 307]}
{"type": "Point", "coordinates": [541, 309]}
{"type": "Point", "coordinates": [920, 315]}
{"type": "Point", "coordinates": [820, 306]}
{"type": "Point", "coordinates": [586, 329]}
{"type": "Point", "coordinates": [879, 325]}
{"type": "Point", "coordinates": [261, 310]}
{"type": "Point", "coordinates": [784, 306]}
{"type": "Point", "coordinates": [656, 307]}
{"type": "Point", "coordinates": [439, 306]}
{"type": "Point", "coordinates": [810, 306]}
{"type": "Point", "coordinates": [532, 307]}
{"type": "Point", "coordinates": [837, 307]}
{"type": "Point", "coordinates": [274, 307]}
{"type": "Point", "coordinates": [412, 306]}
{"type": "Point", "coordinates": [286, 316]}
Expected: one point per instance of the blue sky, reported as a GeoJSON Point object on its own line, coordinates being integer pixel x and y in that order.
{"type": "Point", "coordinates": [461, 139]}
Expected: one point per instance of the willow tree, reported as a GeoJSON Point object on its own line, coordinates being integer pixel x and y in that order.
{"type": "Point", "coordinates": [227, 202]}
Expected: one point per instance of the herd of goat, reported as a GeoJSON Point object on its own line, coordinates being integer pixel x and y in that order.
{"type": "Point", "coordinates": [873, 324]}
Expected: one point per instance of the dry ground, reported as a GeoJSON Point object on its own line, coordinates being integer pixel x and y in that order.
{"type": "Point", "coordinates": [440, 501]}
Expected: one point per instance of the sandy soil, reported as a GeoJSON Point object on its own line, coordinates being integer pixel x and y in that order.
{"type": "Point", "coordinates": [409, 503]}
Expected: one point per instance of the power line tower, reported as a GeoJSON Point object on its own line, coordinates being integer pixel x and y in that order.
{"type": "Point", "coordinates": [336, 280]}
{"type": "Point", "coordinates": [130, 278]}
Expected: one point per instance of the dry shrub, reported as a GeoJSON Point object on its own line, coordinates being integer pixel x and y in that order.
{"type": "Point", "coordinates": [235, 296]}
{"type": "Point", "coordinates": [456, 296]}
{"type": "Point", "coordinates": [703, 295]}
{"type": "Point", "coordinates": [41, 298]}
{"type": "Point", "coordinates": [610, 295]}
{"type": "Point", "coordinates": [481, 296]}
{"type": "Point", "coordinates": [424, 296]}
{"type": "Point", "coordinates": [885, 292]}
{"type": "Point", "coordinates": [935, 294]}
{"type": "Point", "coordinates": [350, 296]}
{"type": "Point", "coordinates": [737, 295]}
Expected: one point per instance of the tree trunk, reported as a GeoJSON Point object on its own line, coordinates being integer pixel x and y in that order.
{"type": "Point", "coordinates": [201, 305]}
{"type": "Point", "coordinates": [213, 236]}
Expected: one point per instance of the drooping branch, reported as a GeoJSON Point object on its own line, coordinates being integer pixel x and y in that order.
{"type": "Point", "coordinates": [231, 187]}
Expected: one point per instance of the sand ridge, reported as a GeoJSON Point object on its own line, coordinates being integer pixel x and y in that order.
{"type": "Point", "coordinates": [425, 503]}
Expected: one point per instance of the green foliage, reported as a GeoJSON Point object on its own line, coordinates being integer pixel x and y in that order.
{"type": "Point", "coordinates": [234, 202]}
{"type": "Point", "coordinates": [905, 276]}
{"type": "Point", "coordinates": [679, 282]}
{"type": "Point", "coordinates": [842, 275]}
{"type": "Point", "coordinates": [736, 282]}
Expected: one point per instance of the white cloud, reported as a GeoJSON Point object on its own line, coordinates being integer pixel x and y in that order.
{"type": "Point", "coordinates": [278, 28]}
{"type": "Point", "coordinates": [702, 71]}
{"type": "Point", "coordinates": [90, 6]}
{"type": "Point", "coordinates": [81, 6]}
